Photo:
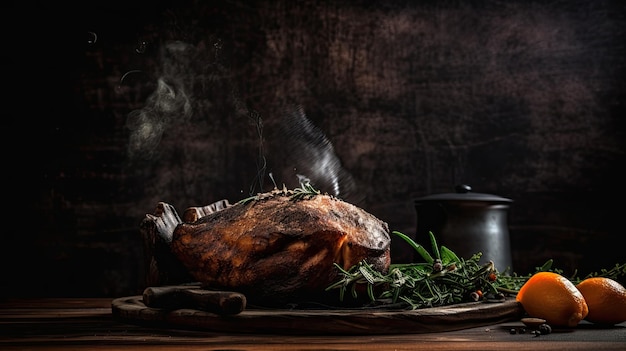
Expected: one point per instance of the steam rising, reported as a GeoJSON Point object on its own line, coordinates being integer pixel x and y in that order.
{"type": "Point", "coordinates": [191, 85]}
{"type": "Point", "coordinates": [149, 123]}
{"type": "Point", "coordinates": [312, 155]}
{"type": "Point", "coordinates": [167, 105]}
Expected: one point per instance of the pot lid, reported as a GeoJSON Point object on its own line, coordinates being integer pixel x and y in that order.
{"type": "Point", "coordinates": [463, 193]}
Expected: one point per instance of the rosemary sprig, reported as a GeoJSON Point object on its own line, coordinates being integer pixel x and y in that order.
{"type": "Point", "coordinates": [305, 190]}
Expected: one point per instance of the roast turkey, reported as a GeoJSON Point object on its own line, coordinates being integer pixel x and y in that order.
{"type": "Point", "coordinates": [276, 247]}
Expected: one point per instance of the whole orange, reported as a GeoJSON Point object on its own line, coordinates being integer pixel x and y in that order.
{"type": "Point", "coordinates": [552, 297]}
{"type": "Point", "coordinates": [606, 299]}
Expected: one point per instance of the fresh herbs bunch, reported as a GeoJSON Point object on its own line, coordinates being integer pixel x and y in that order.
{"type": "Point", "coordinates": [442, 279]}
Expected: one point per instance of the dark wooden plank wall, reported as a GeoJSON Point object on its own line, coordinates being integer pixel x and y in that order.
{"type": "Point", "coordinates": [523, 99]}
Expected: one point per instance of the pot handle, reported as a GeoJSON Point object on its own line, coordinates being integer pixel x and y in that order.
{"type": "Point", "coordinates": [463, 188]}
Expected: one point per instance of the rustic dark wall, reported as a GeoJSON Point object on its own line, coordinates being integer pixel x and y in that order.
{"type": "Point", "coordinates": [131, 103]}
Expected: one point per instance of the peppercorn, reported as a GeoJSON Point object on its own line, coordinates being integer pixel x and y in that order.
{"type": "Point", "coordinates": [544, 329]}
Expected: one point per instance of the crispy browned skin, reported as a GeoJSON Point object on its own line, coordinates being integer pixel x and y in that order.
{"type": "Point", "coordinates": [279, 248]}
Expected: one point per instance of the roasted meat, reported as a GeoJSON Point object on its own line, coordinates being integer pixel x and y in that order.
{"type": "Point", "coordinates": [279, 247]}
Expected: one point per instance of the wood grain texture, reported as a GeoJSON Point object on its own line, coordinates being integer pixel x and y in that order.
{"type": "Point", "coordinates": [329, 322]}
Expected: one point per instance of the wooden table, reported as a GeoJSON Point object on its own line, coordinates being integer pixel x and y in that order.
{"type": "Point", "coordinates": [88, 323]}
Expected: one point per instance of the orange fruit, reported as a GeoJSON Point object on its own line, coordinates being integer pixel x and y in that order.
{"type": "Point", "coordinates": [553, 297]}
{"type": "Point", "coordinates": [606, 299]}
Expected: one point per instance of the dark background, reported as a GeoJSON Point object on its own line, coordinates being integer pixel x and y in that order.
{"type": "Point", "coordinates": [117, 105]}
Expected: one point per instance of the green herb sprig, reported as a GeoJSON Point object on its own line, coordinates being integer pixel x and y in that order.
{"type": "Point", "coordinates": [306, 190]}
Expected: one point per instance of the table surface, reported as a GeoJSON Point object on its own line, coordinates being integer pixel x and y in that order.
{"type": "Point", "coordinates": [87, 323]}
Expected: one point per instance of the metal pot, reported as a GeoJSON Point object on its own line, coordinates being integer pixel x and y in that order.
{"type": "Point", "coordinates": [467, 223]}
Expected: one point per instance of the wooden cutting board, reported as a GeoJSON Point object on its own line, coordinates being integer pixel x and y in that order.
{"type": "Point", "coordinates": [322, 322]}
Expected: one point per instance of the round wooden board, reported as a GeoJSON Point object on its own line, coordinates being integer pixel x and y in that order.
{"type": "Point", "coordinates": [323, 322]}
